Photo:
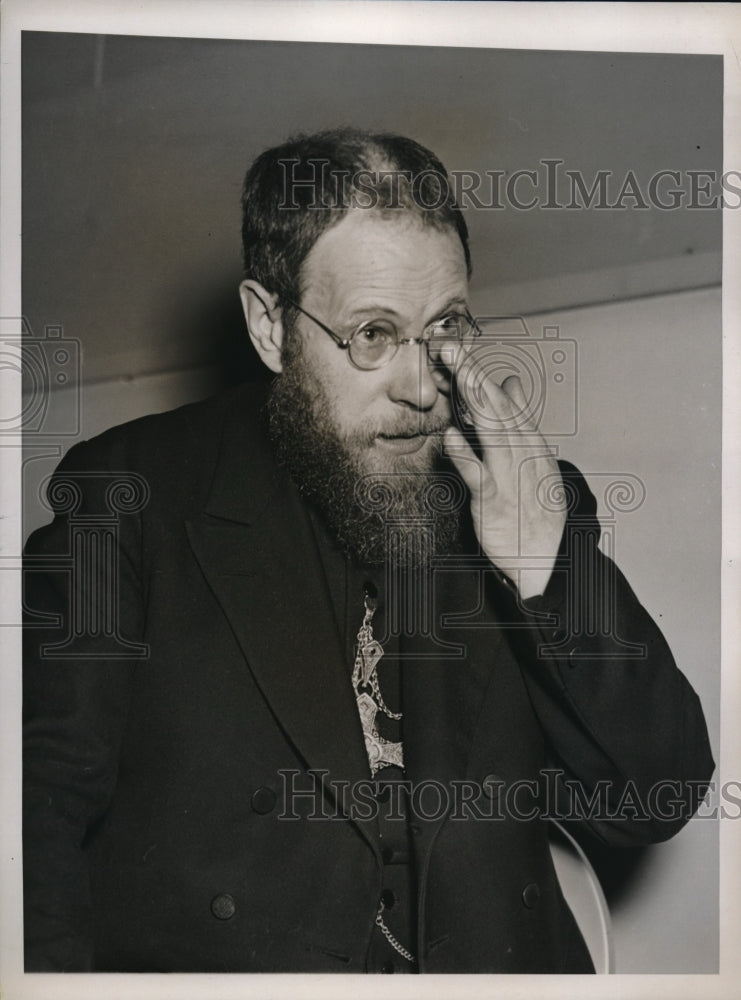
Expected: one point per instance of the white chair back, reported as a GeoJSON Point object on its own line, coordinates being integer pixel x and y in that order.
{"type": "Point", "coordinates": [583, 893]}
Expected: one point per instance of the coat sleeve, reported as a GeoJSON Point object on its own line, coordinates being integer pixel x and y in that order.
{"type": "Point", "coordinates": [625, 731]}
{"type": "Point", "coordinates": [83, 620]}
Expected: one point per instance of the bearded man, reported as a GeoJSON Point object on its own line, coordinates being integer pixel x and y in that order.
{"type": "Point", "coordinates": [276, 695]}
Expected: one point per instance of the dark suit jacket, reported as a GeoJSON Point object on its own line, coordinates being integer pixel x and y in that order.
{"type": "Point", "coordinates": [164, 728]}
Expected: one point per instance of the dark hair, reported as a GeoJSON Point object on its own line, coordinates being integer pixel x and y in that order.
{"type": "Point", "coordinates": [296, 191]}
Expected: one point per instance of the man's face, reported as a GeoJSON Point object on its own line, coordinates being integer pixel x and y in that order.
{"type": "Point", "coordinates": [390, 267]}
{"type": "Point", "coordinates": [341, 430]}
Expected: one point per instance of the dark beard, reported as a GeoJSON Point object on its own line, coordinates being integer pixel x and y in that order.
{"type": "Point", "coordinates": [406, 514]}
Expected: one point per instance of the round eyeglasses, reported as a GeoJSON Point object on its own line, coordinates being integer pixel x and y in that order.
{"type": "Point", "coordinates": [374, 343]}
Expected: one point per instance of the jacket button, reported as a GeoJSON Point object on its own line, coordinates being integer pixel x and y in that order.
{"type": "Point", "coordinates": [223, 906]}
{"type": "Point", "coordinates": [263, 800]}
{"type": "Point", "coordinates": [531, 895]}
{"type": "Point", "coordinates": [387, 855]}
{"type": "Point", "coordinates": [388, 967]}
{"type": "Point", "coordinates": [492, 785]}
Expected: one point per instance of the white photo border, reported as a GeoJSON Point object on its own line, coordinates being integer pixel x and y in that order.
{"type": "Point", "coordinates": [705, 28]}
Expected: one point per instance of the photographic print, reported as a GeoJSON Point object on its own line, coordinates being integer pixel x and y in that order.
{"type": "Point", "coordinates": [366, 420]}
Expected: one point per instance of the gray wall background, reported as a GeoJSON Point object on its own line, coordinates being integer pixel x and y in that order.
{"type": "Point", "coordinates": [133, 155]}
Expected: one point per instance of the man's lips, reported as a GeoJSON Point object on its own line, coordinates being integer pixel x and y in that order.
{"type": "Point", "coordinates": [402, 444]}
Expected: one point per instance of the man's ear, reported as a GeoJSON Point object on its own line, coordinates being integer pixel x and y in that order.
{"type": "Point", "coordinates": [264, 322]}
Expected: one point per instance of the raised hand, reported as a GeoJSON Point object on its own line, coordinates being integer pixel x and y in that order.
{"type": "Point", "coordinates": [518, 532]}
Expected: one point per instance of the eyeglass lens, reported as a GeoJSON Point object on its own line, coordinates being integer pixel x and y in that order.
{"type": "Point", "coordinates": [375, 344]}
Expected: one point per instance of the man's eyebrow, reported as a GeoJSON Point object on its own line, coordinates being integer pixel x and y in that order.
{"type": "Point", "coordinates": [363, 313]}
{"type": "Point", "coordinates": [457, 301]}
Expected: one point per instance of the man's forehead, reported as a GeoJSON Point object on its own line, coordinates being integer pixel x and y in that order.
{"type": "Point", "coordinates": [391, 251]}
{"type": "Point", "coordinates": [387, 224]}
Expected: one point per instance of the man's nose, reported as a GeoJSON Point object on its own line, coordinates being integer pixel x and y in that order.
{"type": "Point", "coordinates": [416, 381]}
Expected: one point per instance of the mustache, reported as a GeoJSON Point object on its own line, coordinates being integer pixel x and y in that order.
{"type": "Point", "coordinates": [404, 428]}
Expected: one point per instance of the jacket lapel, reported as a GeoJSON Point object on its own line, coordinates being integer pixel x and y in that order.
{"type": "Point", "coordinates": [446, 687]}
{"type": "Point", "coordinates": [256, 547]}
{"type": "Point", "coordinates": [448, 673]}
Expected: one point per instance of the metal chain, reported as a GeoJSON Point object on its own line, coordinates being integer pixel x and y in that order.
{"type": "Point", "coordinates": [378, 697]}
{"type": "Point", "coordinates": [391, 939]}
{"type": "Point", "coordinates": [365, 635]}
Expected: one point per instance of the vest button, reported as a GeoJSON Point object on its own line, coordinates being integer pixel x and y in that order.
{"type": "Point", "coordinates": [492, 785]}
{"type": "Point", "coordinates": [531, 895]}
{"type": "Point", "coordinates": [388, 898]}
{"type": "Point", "coordinates": [263, 800]}
{"type": "Point", "coordinates": [223, 906]}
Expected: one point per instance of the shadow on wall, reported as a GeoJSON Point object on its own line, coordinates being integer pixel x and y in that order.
{"type": "Point", "coordinates": [214, 317]}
